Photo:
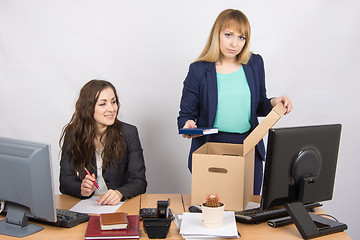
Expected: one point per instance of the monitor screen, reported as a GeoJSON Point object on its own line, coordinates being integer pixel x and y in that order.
{"type": "Point", "coordinates": [26, 185]}
{"type": "Point", "coordinates": [300, 169]}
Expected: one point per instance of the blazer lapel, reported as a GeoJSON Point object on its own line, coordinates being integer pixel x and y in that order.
{"type": "Point", "coordinates": [250, 79]}
{"type": "Point", "coordinates": [212, 92]}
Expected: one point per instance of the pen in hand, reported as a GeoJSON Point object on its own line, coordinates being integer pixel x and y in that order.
{"type": "Point", "coordinates": [96, 185]}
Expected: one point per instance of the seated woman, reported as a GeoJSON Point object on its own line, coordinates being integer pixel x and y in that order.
{"type": "Point", "coordinates": [109, 149]}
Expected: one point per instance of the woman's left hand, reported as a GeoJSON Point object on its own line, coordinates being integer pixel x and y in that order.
{"type": "Point", "coordinates": [285, 100]}
{"type": "Point", "coordinates": [111, 197]}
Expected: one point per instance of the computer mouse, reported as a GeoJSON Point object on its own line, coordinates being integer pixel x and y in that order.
{"type": "Point", "coordinates": [195, 208]}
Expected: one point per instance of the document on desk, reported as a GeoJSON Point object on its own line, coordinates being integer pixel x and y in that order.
{"type": "Point", "coordinates": [90, 206]}
{"type": "Point", "coordinates": [252, 205]}
{"type": "Point", "coordinates": [191, 227]}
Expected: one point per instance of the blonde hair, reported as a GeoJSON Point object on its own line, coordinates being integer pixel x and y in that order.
{"type": "Point", "coordinates": [227, 19]}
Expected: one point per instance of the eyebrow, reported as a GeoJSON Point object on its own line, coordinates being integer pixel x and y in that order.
{"type": "Point", "coordinates": [229, 31]}
{"type": "Point", "coordinates": [103, 99]}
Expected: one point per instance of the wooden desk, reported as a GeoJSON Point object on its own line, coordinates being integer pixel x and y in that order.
{"type": "Point", "coordinates": [76, 233]}
{"type": "Point", "coordinates": [263, 231]}
{"type": "Point", "coordinates": [178, 204]}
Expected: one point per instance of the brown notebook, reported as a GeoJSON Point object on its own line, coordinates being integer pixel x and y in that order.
{"type": "Point", "coordinates": [117, 220]}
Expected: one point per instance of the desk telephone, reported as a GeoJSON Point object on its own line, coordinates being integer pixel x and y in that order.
{"type": "Point", "coordinates": [157, 221]}
{"type": "Point", "coordinates": [151, 213]}
{"type": "Point", "coordinates": [162, 211]}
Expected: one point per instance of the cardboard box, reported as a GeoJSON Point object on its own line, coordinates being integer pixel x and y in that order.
{"type": "Point", "coordinates": [228, 169]}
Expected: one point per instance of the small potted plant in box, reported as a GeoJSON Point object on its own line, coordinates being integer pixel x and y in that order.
{"type": "Point", "coordinates": [212, 211]}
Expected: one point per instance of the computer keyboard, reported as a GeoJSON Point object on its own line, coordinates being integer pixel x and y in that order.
{"type": "Point", "coordinates": [67, 218]}
{"type": "Point", "coordinates": [256, 215]}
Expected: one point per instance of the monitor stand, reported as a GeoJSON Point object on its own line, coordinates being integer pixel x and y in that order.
{"type": "Point", "coordinates": [16, 223]}
{"type": "Point", "coordinates": [311, 225]}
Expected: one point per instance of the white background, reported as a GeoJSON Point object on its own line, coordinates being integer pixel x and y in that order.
{"type": "Point", "coordinates": [50, 49]}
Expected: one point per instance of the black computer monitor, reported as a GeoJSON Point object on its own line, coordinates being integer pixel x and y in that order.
{"type": "Point", "coordinates": [300, 169]}
{"type": "Point", "coordinates": [26, 185]}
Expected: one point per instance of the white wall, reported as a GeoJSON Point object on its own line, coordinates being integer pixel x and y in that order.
{"type": "Point", "coordinates": [49, 49]}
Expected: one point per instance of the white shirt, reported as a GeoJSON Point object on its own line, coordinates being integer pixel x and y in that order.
{"type": "Point", "coordinates": [100, 180]}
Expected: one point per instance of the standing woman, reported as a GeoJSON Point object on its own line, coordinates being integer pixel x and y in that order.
{"type": "Point", "coordinates": [225, 88]}
{"type": "Point", "coordinates": [108, 148]}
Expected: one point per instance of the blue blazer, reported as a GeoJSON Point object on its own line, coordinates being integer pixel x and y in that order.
{"type": "Point", "coordinates": [200, 96]}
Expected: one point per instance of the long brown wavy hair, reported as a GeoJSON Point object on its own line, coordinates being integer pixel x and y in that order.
{"type": "Point", "coordinates": [77, 137]}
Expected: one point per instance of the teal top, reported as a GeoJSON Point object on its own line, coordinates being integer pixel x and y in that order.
{"type": "Point", "coordinates": [234, 104]}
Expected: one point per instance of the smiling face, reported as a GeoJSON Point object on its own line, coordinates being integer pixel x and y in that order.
{"type": "Point", "coordinates": [106, 108]}
{"type": "Point", "coordinates": [231, 43]}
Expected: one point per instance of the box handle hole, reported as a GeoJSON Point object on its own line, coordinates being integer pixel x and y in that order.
{"type": "Point", "coordinates": [217, 170]}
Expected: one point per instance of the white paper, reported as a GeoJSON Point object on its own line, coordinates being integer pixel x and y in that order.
{"type": "Point", "coordinates": [177, 220]}
{"type": "Point", "coordinates": [90, 206]}
{"type": "Point", "coordinates": [252, 205]}
{"type": "Point", "coordinates": [191, 225]}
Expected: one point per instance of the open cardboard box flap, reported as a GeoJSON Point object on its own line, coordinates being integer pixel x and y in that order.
{"type": "Point", "coordinates": [228, 169]}
{"type": "Point", "coordinates": [260, 131]}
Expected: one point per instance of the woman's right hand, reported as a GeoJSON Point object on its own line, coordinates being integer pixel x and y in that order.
{"type": "Point", "coordinates": [87, 185]}
{"type": "Point", "coordinates": [190, 124]}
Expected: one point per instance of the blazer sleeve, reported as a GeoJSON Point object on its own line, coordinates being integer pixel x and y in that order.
{"type": "Point", "coordinates": [264, 105]}
{"type": "Point", "coordinates": [190, 99]}
{"type": "Point", "coordinates": [70, 183]}
{"type": "Point", "coordinates": [135, 183]}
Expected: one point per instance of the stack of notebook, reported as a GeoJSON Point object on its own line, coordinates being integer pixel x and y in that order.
{"type": "Point", "coordinates": [93, 230]}
{"type": "Point", "coordinates": [112, 221]}
{"type": "Point", "coordinates": [191, 227]}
